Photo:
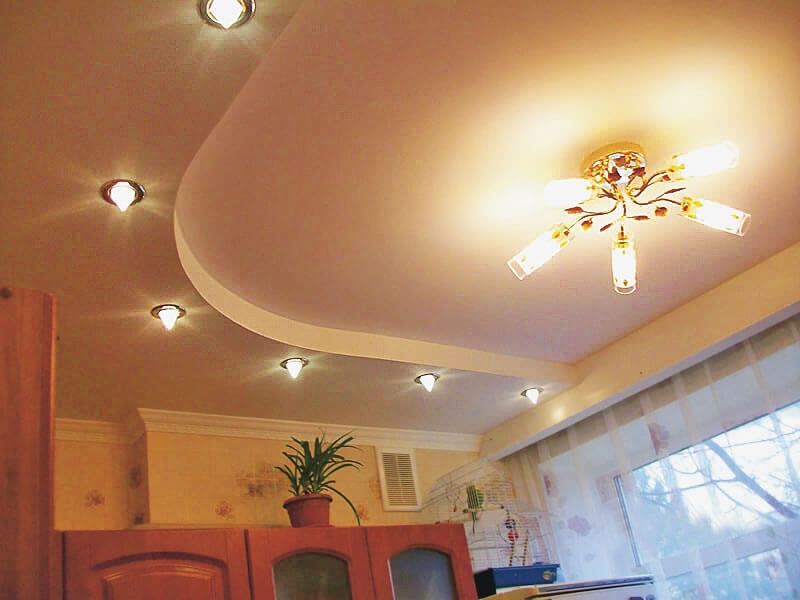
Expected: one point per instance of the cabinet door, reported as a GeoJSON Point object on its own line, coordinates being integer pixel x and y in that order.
{"type": "Point", "coordinates": [156, 565]}
{"type": "Point", "coordinates": [310, 563]}
{"type": "Point", "coordinates": [421, 562]}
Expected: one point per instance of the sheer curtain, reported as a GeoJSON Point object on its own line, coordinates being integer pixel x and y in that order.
{"type": "Point", "coordinates": [695, 480]}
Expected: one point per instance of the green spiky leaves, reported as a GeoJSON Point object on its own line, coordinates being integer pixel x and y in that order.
{"type": "Point", "coordinates": [311, 467]}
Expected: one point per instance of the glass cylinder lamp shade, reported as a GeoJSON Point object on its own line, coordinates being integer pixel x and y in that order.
{"type": "Point", "coordinates": [705, 161]}
{"type": "Point", "coordinates": [566, 192]}
{"type": "Point", "coordinates": [542, 249]}
{"type": "Point", "coordinates": [718, 216]}
{"type": "Point", "coordinates": [623, 264]}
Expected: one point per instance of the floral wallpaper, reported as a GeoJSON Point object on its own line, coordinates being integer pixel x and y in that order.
{"type": "Point", "coordinates": [183, 479]}
{"type": "Point", "coordinates": [94, 498]}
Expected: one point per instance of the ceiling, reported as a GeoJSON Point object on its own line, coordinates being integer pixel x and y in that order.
{"type": "Point", "coordinates": [345, 181]}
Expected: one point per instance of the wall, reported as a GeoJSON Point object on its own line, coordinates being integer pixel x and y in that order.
{"type": "Point", "coordinates": [209, 479]}
{"type": "Point", "coordinates": [166, 479]}
{"type": "Point", "coordinates": [91, 485]}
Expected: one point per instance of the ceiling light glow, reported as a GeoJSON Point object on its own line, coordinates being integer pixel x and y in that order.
{"type": "Point", "coordinates": [227, 13]}
{"type": "Point", "coordinates": [705, 161]}
{"type": "Point", "coordinates": [562, 193]}
{"type": "Point", "coordinates": [427, 380]}
{"type": "Point", "coordinates": [168, 314]}
{"type": "Point", "coordinates": [122, 193]}
{"type": "Point", "coordinates": [294, 365]}
{"type": "Point", "coordinates": [532, 394]}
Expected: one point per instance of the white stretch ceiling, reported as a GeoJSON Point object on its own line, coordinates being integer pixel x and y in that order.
{"type": "Point", "coordinates": [350, 178]}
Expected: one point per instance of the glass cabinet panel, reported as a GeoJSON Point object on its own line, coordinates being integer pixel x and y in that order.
{"type": "Point", "coordinates": [421, 574]}
{"type": "Point", "coordinates": [312, 576]}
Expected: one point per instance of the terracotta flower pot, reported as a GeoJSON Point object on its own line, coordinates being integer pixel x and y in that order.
{"type": "Point", "coordinates": [311, 510]}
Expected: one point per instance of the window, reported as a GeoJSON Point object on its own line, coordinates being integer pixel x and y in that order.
{"type": "Point", "coordinates": [695, 480]}
{"type": "Point", "coordinates": [729, 507]}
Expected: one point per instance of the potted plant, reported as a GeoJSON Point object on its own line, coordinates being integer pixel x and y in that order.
{"type": "Point", "coordinates": [310, 470]}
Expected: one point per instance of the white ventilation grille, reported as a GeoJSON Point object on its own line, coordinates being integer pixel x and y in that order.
{"type": "Point", "coordinates": [398, 475]}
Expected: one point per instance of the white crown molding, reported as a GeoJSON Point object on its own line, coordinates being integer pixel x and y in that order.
{"type": "Point", "coordinates": [167, 421]}
{"type": "Point", "coordinates": [80, 430]}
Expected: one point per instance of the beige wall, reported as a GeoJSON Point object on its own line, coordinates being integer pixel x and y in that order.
{"type": "Point", "coordinates": [183, 479]}
{"type": "Point", "coordinates": [202, 479]}
{"type": "Point", "coordinates": [91, 486]}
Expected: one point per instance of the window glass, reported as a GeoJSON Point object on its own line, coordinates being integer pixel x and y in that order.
{"type": "Point", "coordinates": [765, 576]}
{"type": "Point", "coordinates": [732, 484]}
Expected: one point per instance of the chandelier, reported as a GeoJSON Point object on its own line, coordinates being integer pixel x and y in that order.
{"type": "Point", "coordinates": [613, 186]}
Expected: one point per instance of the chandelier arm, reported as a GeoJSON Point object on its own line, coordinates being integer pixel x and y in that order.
{"type": "Point", "coordinates": [646, 183]}
{"type": "Point", "coordinates": [659, 199]}
{"type": "Point", "coordinates": [592, 214]}
{"type": "Point", "coordinates": [607, 194]}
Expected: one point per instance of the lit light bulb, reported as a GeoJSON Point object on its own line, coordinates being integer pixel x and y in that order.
{"type": "Point", "coordinates": [123, 194]}
{"type": "Point", "coordinates": [427, 380]}
{"type": "Point", "coordinates": [294, 365]}
{"type": "Point", "coordinates": [623, 264]}
{"type": "Point", "coordinates": [716, 215]}
{"type": "Point", "coordinates": [562, 193]}
{"type": "Point", "coordinates": [532, 394]}
{"type": "Point", "coordinates": [542, 249]}
{"type": "Point", "coordinates": [705, 161]}
{"type": "Point", "coordinates": [225, 12]}
{"type": "Point", "coordinates": [168, 314]}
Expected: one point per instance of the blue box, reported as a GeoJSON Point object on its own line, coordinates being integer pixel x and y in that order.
{"type": "Point", "coordinates": [487, 582]}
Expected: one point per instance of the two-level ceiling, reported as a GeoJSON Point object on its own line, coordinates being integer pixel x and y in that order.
{"type": "Point", "coordinates": [345, 182]}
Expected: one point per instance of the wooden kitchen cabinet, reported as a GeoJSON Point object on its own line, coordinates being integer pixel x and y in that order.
{"type": "Point", "coordinates": [404, 562]}
{"type": "Point", "coordinates": [310, 563]}
{"type": "Point", "coordinates": [420, 562]}
{"type": "Point", "coordinates": [414, 562]}
{"type": "Point", "coordinates": [203, 564]}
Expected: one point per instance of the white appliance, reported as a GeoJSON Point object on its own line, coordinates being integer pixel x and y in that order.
{"type": "Point", "coordinates": [620, 588]}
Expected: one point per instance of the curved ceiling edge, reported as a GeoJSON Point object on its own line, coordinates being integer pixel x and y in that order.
{"type": "Point", "coordinates": [356, 343]}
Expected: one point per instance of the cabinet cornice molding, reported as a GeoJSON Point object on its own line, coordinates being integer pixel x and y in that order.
{"type": "Point", "coordinates": [166, 421]}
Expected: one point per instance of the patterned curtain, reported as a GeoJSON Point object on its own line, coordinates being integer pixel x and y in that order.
{"type": "Point", "coordinates": [696, 480]}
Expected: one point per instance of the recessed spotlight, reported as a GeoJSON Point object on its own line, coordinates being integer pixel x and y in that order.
{"type": "Point", "coordinates": [122, 193]}
{"type": "Point", "coordinates": [293, 365]}
{"type": "Point", "coordinates": [227, 13]}
{"type": "Point", "coordinates": [427, 380]}
{"type": "Point", "coordinates": [168, 314]}
{"type": "Point", "coordinates": [532, 394]}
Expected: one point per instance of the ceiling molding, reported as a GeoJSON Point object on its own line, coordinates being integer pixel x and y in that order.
{"type": "Point", "coordinates": [167, 421]}
{"type": "Point", "coordinates": [359, 343]}
{"type": "Point", "coordinates": [81, 430]}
